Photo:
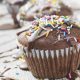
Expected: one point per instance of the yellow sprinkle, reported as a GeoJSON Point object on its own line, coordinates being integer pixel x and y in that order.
{"type": "Point", "coordinates": [66, 16]}
{"type": "Point", "coordinates": [28, 33]}
{"type": "Point", "coordinates": [53, 23]}
{"type": "Point", "coordinates": [42, 22]}
{"type": "Point", "coordinates": [51, 10]}
{"type": "Point", "coordinates": [53, 1]}
{"type": "Point", "coordinates": [47, 33]}
{"type": "Point", "coordinates": [50, 22]}
{"type": "Point", "coordinates": [22, 58]}
{"type": "Point", "coordinates": [22, 13]}
{"type": "Point", "coordinates": [33, 1]}
{"type": "Point", "coordinates": [40, 11]}
{"type": "Point", "coordinates": [57, 17]}
{"type": "Point", "coordinates": [36, 27]}
{"type": "Point", "coordinates": [61, 22]}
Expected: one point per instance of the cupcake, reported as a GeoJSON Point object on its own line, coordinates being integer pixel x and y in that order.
{"type": "Point", "coordinates": [30, 12]}
{"type": "Point", "coordinates": [13, 8]}
{"type": "Point", "coordinates": [51, 46]}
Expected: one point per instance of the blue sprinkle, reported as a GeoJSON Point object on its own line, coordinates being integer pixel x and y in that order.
{"type": "Point", "coordinates": [64, 33]}
{"type": "Point", "coordinates": [59, 27]}
{"type": "Point", "coordinates": [32, 31]}
{"type": "Point", "coordinates": [49, 25]}
{"type": "Point", "coordinates": [17, 73]}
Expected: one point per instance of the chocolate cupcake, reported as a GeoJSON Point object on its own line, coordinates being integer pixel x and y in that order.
{"type": "Point", "coordinates": [51, 46]}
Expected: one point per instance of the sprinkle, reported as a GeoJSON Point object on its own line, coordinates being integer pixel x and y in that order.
{"type": "Point", "coordinates": [52, 1]}
{"type": "Point", "coordinates": [71, 26]}
{"type": "Point", "coordinates": [17, 73]}
{"type": "Point", "coordinates": [48, 25]}
{"type": "Point", "coordinates": [46, 22]}
{"type": "Point", "coordinates": [70, 75]}
{"type": "Point", "coordinates": [33, 1]}
{"type": "Point", "coordinates": [36, 18]}
{"type": "Point", "coordinates": [59, 37]}
{"type": "Point", "coordinates": [59, 27]}
{"type": "Point", "coordinates": [41, 23]}
{"type": "Point", "coordinates": [52, 19]}
{"type": "Point", "coordinates": [66, 17]}
{"type": "Point", "coordinates": [64, 33]}
{"type": "Point", "coordinates": [68, 31]}
{"type": "Point", "coordinates": [47, 33]}
{"type": "Point", "coordinates": [61, 22]}
{"type": "Point", "coordinates": [68, 38]}
{"type": "Point", "coordinates": [63, 29]}
{"type": "Point", "coordinates": [51, 9]}
{"type": "Point", "coordinates": [34, 23]}
{"type": "Point", "coordinates": [32, 31]}
{"type": "Point", "coordinates": [60, 19]}
{"type": "Point", "coordinates": [50, 22]}
{"type": "Point", "coordinates": [36, 28]}
{"type": "Point", "coordinates": [75, 39]}
{"type": "Point", "coordinates": [28, 33]}
{"type": "Point", "coordinates": [57, 18]}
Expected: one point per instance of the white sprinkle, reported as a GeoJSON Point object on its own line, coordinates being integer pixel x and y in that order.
{"type": "Point", "coordinates": [59, 37]}
{"type": "Point", "coordinates": [75, 39]}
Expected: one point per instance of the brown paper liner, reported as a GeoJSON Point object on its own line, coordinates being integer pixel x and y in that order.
{"type": "Point", "coordinates": [53, 63]}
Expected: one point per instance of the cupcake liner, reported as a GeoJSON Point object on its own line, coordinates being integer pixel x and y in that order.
{"type": "Point", "coordinates": [37, 52]}
{"type": "Point", "coordinates": [53, 63]}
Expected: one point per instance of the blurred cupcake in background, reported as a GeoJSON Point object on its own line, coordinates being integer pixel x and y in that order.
{"type": "Point", "coordinates": [51, 46]}
{"type": "Point", "coordinates": [13, 7]}
{"type": "Point", "coordinates": [38, 8]}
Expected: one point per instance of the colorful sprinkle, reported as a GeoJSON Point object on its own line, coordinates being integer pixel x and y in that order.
{"type": "Point", "coordinates": [47, 33]}
{"type": "Point", "coordinates": [48, 23]}
{"type": "Point", "coordinates": [64, 34]}
{"type": "Point", "coordinates": [28, 33]}
{"type": "Point", "coordinates": [36, 28]}
{"type": "Point", "coordinates": [59, 37]}
{"type": "Point", "coordinates": [17, 73]}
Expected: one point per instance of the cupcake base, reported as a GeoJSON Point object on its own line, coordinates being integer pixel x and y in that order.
{"type": "Point", "coordinates": [52, 63]}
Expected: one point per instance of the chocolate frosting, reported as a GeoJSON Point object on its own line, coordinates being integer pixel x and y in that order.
{"type": "Point", "coordinates": [58, 37]}
{"type": "Point", "coordinates": [51, 42]}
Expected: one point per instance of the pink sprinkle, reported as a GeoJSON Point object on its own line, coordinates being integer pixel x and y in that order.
{"type": "Point", "coordinates": [70, 75]}
{"type": "Point", "coordinates": [47, 17]}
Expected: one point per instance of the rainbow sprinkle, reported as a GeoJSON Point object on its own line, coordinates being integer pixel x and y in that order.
{"type": "Point", "coordinates": [46, 24]}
